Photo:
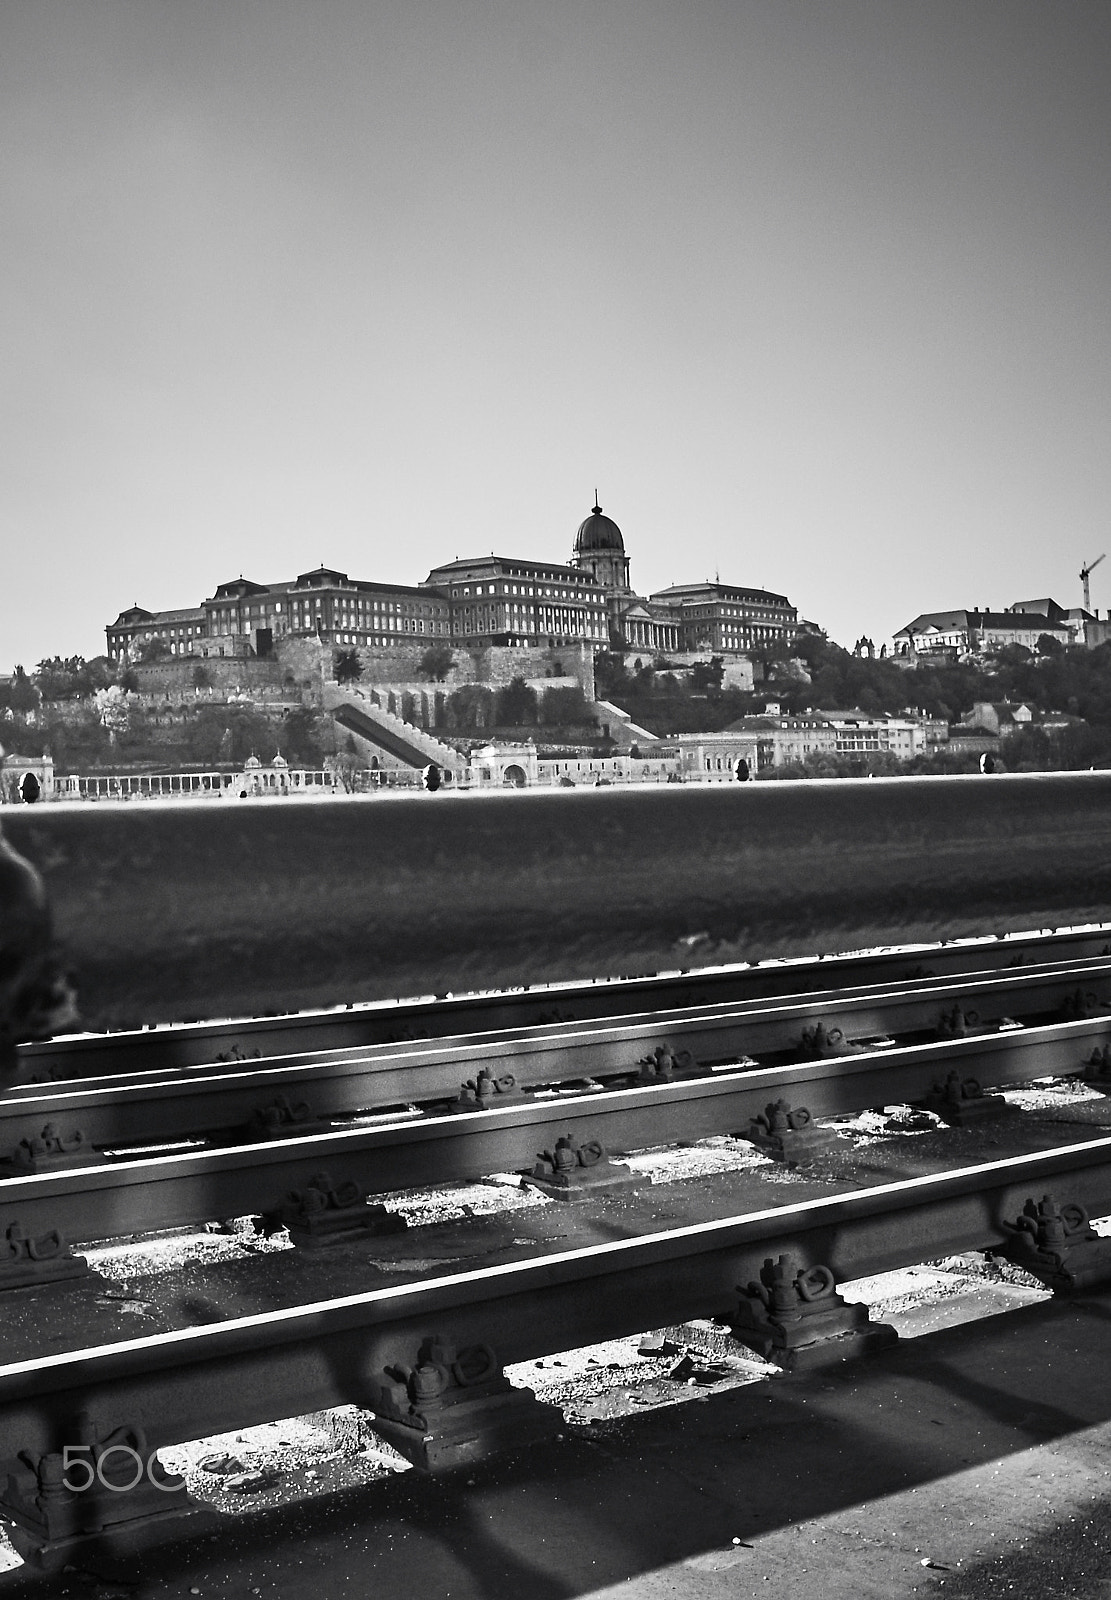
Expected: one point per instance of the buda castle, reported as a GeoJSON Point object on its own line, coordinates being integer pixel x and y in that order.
{"type": "Point", "coordinates": [473, 604]}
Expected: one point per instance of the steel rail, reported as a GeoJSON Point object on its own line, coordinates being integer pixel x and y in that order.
{"type": "Point", "coordinates": [143, 1194]}
{"type": "Point", "coordinates": [187, 1384]}
{"type": "Point", "coordinates": [196, 1044]}
{"type": "Point", "coordinates": [171, 913]}
{"type": "Point", "coordinates": [220, 1100]}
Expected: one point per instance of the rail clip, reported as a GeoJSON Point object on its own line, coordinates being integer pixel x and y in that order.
{"type": "Point", "coordinates": [40, 1258]}
{"type": "Point", "coordinates": [820, 1043]}
{"type": "Point", "coordinates": [237, 1053]}
{"type": "Point", "coordinates": [959, 1101]}
{"type": "Point", "coordinates": [456, 1406]}
{"type": "Point", "coordinates": [324, 1213]}
{"type": "Point", "coordinates": [574, 1171]}
{"type": "Point", "coordinates": [794, 1316]}
{"type": "Point", "coordinates": [486, 1090]}
{"type": "Point", "coordinates": [1082, 1005]}
{"type": "Point", "coordinates": [49, 1150]}
{"type": "Point", "coordinates": [100, 1493]}
{"type": "Point", "coordinates": [1058, 1245]}
{"type": "Point", "coordinates": [787, 1134]}
{"type": "Point", "coordinates": [958, 1024]}
{"type": "Point", "coordinates": [662, 1065]}
{"type": "Point", "coordinates": [281, 1117]}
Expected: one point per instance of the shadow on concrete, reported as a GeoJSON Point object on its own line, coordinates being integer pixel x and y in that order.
{"type": "Point", "coordinates": [1069, 1562]}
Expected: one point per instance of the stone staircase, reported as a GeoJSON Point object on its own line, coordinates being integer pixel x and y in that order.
{"type": "Point", "coordinates": [623, 730]}
{"type": "Point", "coordinates": [412, 746]}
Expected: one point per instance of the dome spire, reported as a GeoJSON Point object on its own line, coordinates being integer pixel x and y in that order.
{"type": "Point", "coordinates": [596, 508]}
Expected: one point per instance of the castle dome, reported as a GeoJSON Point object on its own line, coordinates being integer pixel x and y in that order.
{"type": "Point", "coordinates": [599, 533]}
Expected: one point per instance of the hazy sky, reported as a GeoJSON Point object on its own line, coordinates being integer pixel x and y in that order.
{"type": "Point", "coordinates": [814, 291]}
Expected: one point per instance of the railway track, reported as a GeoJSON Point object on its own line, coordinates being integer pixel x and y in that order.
{"type": "Point", "coordinates": [333, 1113]}
{"type": "Point", "coordinates": [150, 1392]}
{"type": "Point", "coordinates": [200, 1044]}
{"type": "Point", "coordinates": [282, 1096]}
{"type": "Point", "coordinates": [134, 1195]}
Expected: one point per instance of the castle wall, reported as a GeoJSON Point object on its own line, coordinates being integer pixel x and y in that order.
{"type": "Point", "coordinates": [225, 674]}
{"type": "Point", "coordinates": [398, 666]}
{"type": "Point", "coordinates": [307, 661]}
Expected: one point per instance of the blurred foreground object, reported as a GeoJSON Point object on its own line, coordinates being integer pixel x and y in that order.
{"type": "Point", "coordinates": [187, 911]}
{"type": "Point", "coordinates": [35, 1001]}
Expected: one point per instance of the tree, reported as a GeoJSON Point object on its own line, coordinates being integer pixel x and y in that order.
{"type": "Point", "coordinates": [348, 667]}
{"type": "Point", "coordinates": [202, 678]}
{"type": "Point", "coordinates": [228, 735]}
{"type": "Point", "coordinates": [470, 707]}
{"type": "Point", "coordinates": [517, 705]}
{"type": "Point", "coordinates": [21, 695]}
{"type": "Point", "coordinates": [1012, 655]}
{"type": "Point", "coordinates": [202, 735]}
{"type": "Point", "coordinates": [99, 673]}
{"type": "Point", "coordinates": [301, 737]}
{"type": "Point", "coordinates": [343, 766]}
{"type": "Point", "coordinates": [1047, 645]}
{"type": "Point", "coordinates": [563, 705]}
{"type": "Point", "coordinates": [436, 662]}
{"type": "Point", "coordinates": [70, 678]}
{"type": "Point", "coordinates": [610, 677]}
{"type": "Point", "coordinates": [707, 676]}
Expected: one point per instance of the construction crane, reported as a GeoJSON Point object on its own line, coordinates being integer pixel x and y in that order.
{"type": "Point", "coordinates": [1085, 573]}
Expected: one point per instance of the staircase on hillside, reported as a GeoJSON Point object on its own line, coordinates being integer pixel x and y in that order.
{"type": "Point", "coordinates": [412, 746]}
{"type": "Point", "coordinates": [629, 730]}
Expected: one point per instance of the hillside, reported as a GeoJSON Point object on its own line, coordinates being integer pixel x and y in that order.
{"type": "Point", "coordinates": [818, 674]}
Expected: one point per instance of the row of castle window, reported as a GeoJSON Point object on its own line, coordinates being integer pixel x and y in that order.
{"type": "Point", "coordinates": [368, 638]}
{"type": "Point", "coordinates": [513, 588]}
{"type": "Point", "coordinates": [365, 607]}
{"type": "Point", "coordinates": [732, 611]}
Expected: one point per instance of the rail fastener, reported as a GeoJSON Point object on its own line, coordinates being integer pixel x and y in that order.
{"type": "Point", "coordinates": [455, 1407]}
{"type": "Point", "coordinates": [574, 1171]}
{"type": "Point", "coordinates": [281, 1117]}
{"type": "Point", "coordinates": [793, 1315]}
{"type": "Point", "coordinates": [487, 1089]}
{"type": "Point", "coordinates": [960, 1101]}
{"type": "Point", "coordinates": [46, 1257]}
{"type": "Point", "coordinates": [79, 1501]}
{"type": "Point", "coordinates": [324, 1213]}
{"type": "Point", "coordinates": [50, 1151]}
{"type": "Point", "coordinates": [1058, 1245]}
{"type": "Point", "coordinates": [789, 1134]}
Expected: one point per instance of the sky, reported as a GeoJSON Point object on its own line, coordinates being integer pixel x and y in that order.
{"type": "Point", "coordinates": [813, 292]}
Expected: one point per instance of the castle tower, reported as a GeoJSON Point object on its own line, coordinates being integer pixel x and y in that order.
{"type": "Point", "coordinates": [600, 550]}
